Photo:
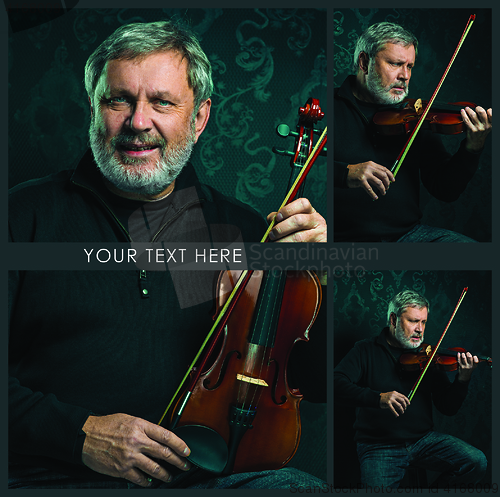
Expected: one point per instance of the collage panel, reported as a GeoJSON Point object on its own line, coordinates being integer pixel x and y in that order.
{"type": "Point", "coordinates": [96, 371]}
{"type": "Point", "coordinates": [268, 73]}
{"type": "Point", "coordinates": [128, 149]}
{"type": "Point", "coordinates": [405, 171]}
{"type": "Point", "coordinates": [413, 380]}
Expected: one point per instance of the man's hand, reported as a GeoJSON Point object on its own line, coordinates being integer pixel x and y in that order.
{"type": "Point", "coordinates": [127, 447]}
{"type": "Point", "coordinates": [370, 176]}
{"type": "Point", "coordinates": [466, 365]}
{"type": "Point", "coordinates": [479, 123]}
{"type": "Point", "coordinates": [395, 401]}
{"type": "Point", "coordinates": [298, 222]}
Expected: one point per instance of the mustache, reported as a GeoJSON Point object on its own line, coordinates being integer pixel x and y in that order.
{"type": "Point", "coordinates": [399, 84]}
{"type": "Point", "coordinates": [144, 139]}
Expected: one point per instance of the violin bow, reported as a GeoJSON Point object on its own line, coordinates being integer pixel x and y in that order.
{"type": "Point", "coordinates": [223, 316]}
{"type": "Point", "coordinates": [402, 155]}
{"type": "Point", "coordinates": [417, 383]}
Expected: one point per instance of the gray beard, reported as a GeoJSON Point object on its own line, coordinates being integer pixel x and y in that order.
{"type": "Point", "coordinates": [399, 335]}
{"type": "Point", "coordinates": [380, 93]}
{"type": "Point", "coordinates": [172, 160]}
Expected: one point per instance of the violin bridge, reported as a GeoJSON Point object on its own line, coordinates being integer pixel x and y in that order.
{"type": "Point", "coordinates": [418, 106]}
{"type": "Point", "coordinates": [254, 381]}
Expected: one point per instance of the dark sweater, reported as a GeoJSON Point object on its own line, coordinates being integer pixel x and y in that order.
{"type": "Point", "coordinates": [88, 341]}
{"type": "Point", "coordinates": [360, 219]}
{"type": "Point", "coordinates": [370, 369]}
{"type": "Point", "coordinates": [75, 206]}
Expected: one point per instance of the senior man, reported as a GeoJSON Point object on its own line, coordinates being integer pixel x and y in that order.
{"type": "Point", "coordinates": [365, 209]}
{"type": "Point", "coordinates": [89, 380]}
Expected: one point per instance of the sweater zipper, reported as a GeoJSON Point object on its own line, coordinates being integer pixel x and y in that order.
{"type": "Point", "coordinates": [187, 206]}
{"type": "Point", "coordinates": [143, 280]}
{"type": "Point", "coordinates": [143, 277]}
{"type": "Point", "coordinates": [109, 210]}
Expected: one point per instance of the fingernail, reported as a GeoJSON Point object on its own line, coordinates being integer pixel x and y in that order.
{"type": "Point", "coordinates": [187, 451]}
{"type": "Point", "coordinates": [279, 217]}
{"type": "Point", "coordinates": [272, 236]}
{"type": "Point", "coordinates": [187, 466]}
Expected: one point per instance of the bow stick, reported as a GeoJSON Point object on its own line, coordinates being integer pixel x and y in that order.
{"type": "Point", "coordinates": [417, 383]}
{"type": "Point", "coordinates": [402, 155]}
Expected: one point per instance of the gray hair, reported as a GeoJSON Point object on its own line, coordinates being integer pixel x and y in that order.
{"type": "Point", "coordinates": [376, 36]}
{"type": "Point", "coordinates": [407, 298]}
{"type": "Point", "coordinates": [138, 40]}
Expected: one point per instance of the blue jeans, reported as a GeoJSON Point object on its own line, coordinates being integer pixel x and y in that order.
{"type": "Point", "coordinates": [423, 233]}
{"type": "Point", "coordinates": [286, 478]}
{"type": "Point", "coordinates": [385, 464]}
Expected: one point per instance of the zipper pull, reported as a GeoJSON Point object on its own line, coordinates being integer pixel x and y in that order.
{"type": "Point", "coordinates": [143, 284]}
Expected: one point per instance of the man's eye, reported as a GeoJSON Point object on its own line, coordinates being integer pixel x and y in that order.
{"type": "Point", "coordinates": [117, 100]}
{"type": "Point", "coordinates": [163, 103]}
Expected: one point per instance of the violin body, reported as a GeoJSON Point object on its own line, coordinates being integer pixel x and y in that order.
{"type": "Point", "coordinates": [444, 119]}
{"type": "Point", "coordinates": [444, 359]}
{"type": "Point", "coordinates": [248, 378]}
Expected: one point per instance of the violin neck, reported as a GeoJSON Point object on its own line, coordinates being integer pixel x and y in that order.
{"type": "Point", "coordinates": [453, 353]}
{"type": "Point", "coordinates": [270, 297]}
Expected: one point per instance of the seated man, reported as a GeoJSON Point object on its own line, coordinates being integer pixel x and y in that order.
{"type": "Point", "coordinates": [365, 209]}
{"type": "Point", "coordinates": [92, 373]}
{"type": "Point", "coordinates": [391, 431]}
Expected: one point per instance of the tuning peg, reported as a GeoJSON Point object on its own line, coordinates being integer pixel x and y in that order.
{"type": "Point", "coordinates": [283, 152]}
{"type": "Point", "coordinates": [283, 130]}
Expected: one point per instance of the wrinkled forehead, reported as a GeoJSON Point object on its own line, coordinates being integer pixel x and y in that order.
{"type": "Point", "coordinates": [415, 312]}
{"type": "Point", "coordinates": [401, 51]}
{"type": "Point", "coordinates": [158, 72]}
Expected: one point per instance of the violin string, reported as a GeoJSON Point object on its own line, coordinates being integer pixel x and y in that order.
{"type": "Point", "coordinates": [303, 151]}
{"type": "Point", "coordinates": [267, 309]}
{"type": "Point", "coordinates": [311, 157]}
{"type": "Point", "coordinates": [300, 178]}
{"type": "Point", "coordinates": [245, 276]}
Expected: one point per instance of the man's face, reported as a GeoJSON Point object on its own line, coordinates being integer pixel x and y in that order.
{"type": "Point", "coordinates": [389, 73]}
{"type": "Point", "coordinates": [409, 328]}
{"type": "Point", "coordinates": [144, 124]}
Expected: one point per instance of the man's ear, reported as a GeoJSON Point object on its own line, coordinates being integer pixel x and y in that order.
{"type": "Point", "coordinates": [201, 119]}
{"type": "Point", "coordinates": [393, 319]}
{"type": "Point", "coordinates": [363, 61]}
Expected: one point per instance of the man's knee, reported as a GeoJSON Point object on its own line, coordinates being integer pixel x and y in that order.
{"type": "Point", "coordinates": [477, 465]}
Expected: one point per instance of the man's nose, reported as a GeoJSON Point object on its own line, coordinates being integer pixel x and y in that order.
{"type": "Point", "coordinates": [404, 73]}
{"type": "Point", "coordinates": [140, 120]}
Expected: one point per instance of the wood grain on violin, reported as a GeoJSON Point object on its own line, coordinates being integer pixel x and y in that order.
{"type": "Point", "coordinates": [243, 395]}
{"type": "Point", "coordinates": [444, 119]}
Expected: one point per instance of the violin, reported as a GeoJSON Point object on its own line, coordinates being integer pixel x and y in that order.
{"type": "Point", "coordinates": [238, 412]}
{"type": "Point", "coordinates": [444, 359]}
{"type": "Point", "coordinates": [441, 118]}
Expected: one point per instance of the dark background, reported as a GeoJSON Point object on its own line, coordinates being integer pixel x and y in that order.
{"type": "Point", "coordinates": [469, 79]}
{"type": "Point", "coordinates": [266, 64]}
{"type": "Point", "coordinates": [360, 312]}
